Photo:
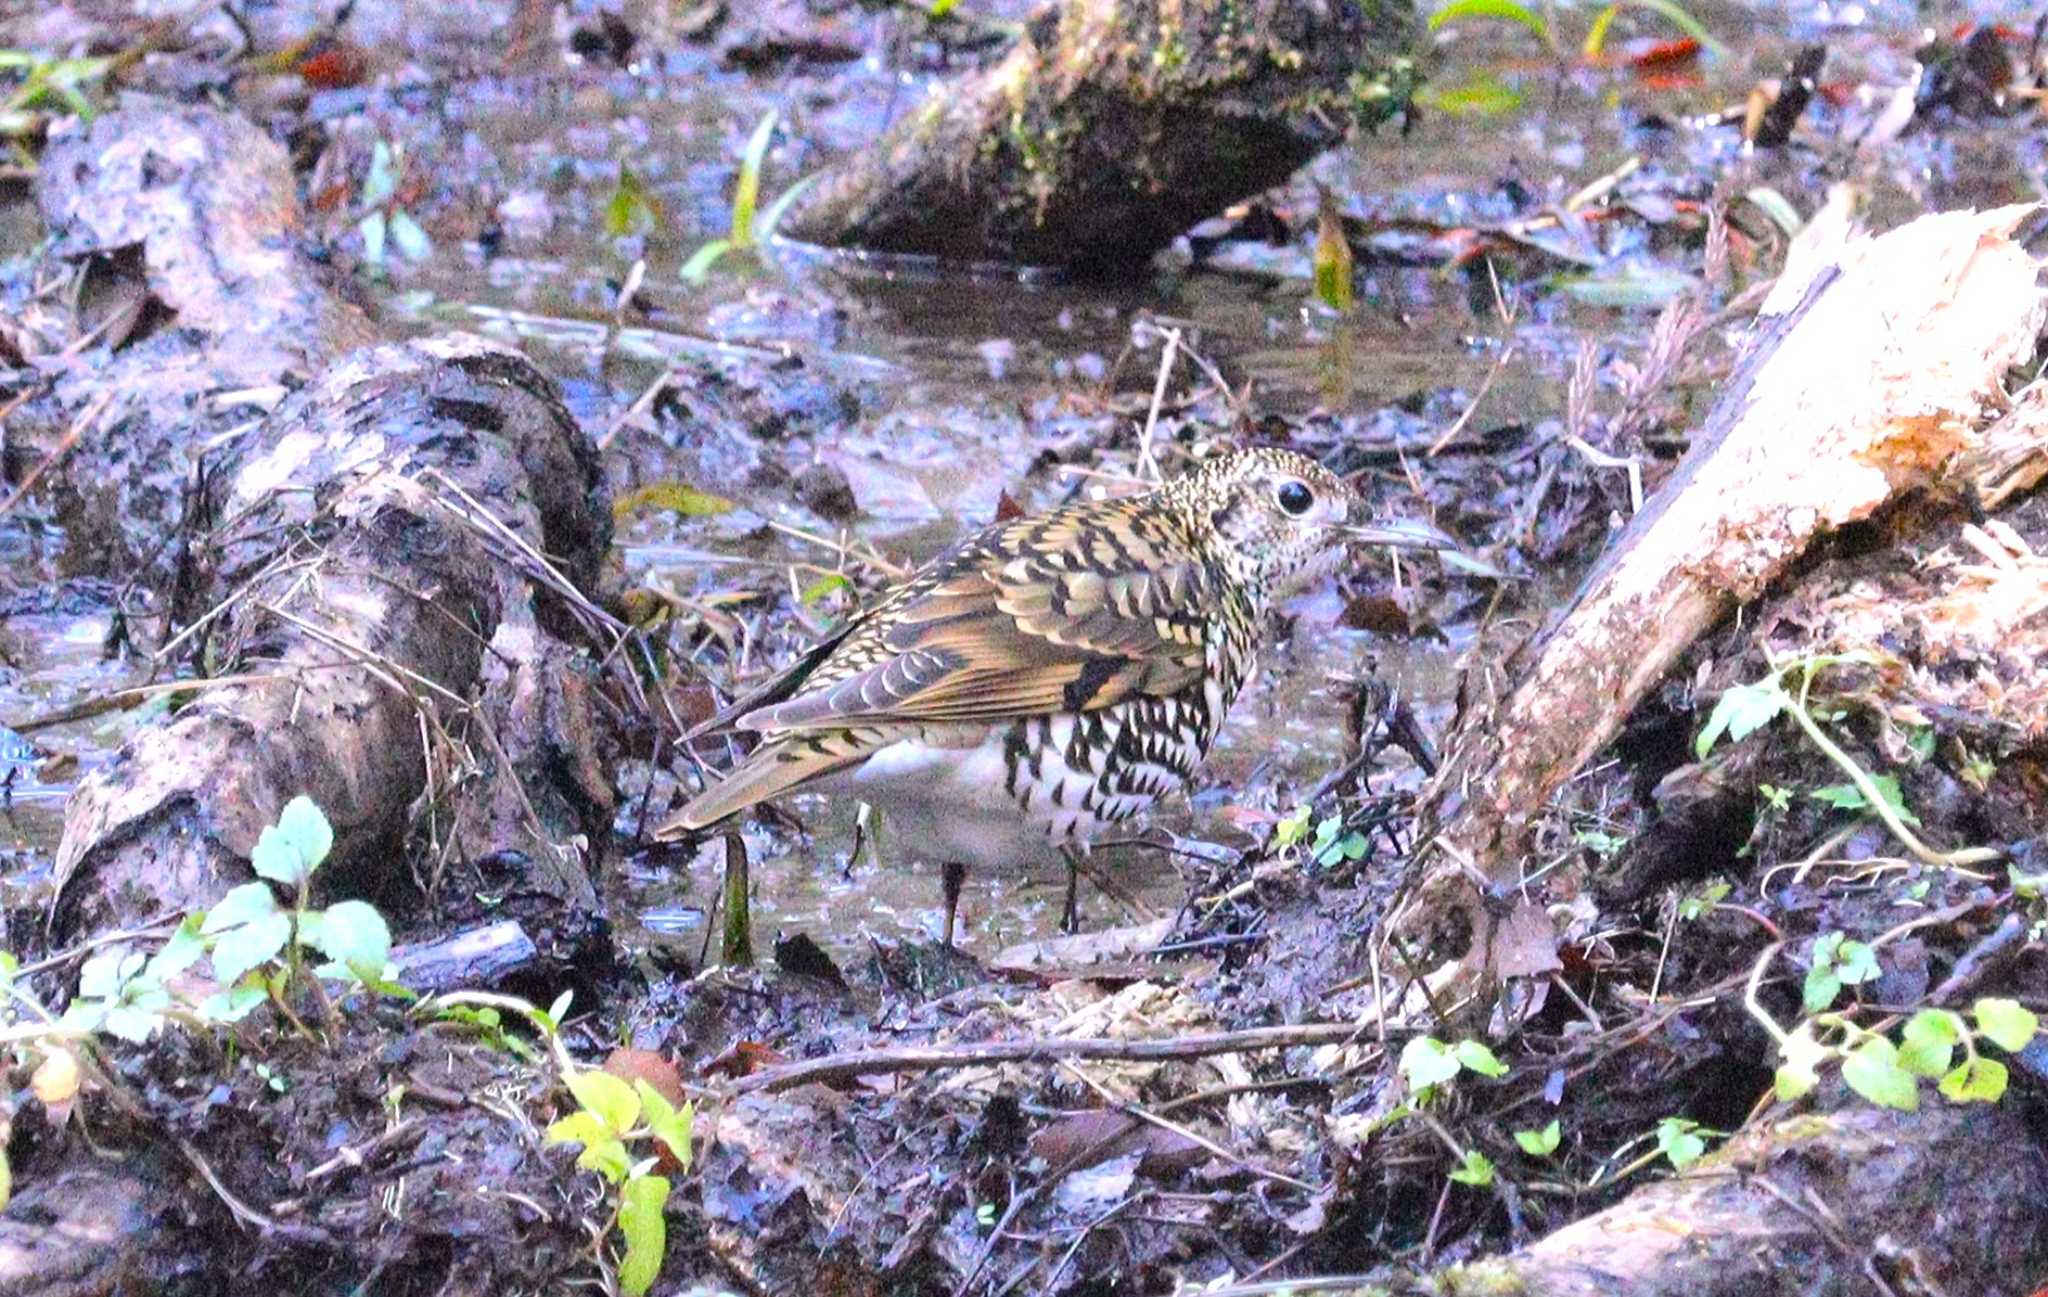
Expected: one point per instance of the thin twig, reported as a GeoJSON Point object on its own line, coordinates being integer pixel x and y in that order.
{"type": "Point", "coordinates": [934, 1058]}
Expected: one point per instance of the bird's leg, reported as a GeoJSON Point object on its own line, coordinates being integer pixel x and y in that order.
{"type": "Point", "coordinates": [951, 875]}
{"type": "Point", "coordinates": [1070, 916]}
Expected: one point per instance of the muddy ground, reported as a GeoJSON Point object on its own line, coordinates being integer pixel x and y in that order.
{"type": "Point", "coordinates": [836, 420]}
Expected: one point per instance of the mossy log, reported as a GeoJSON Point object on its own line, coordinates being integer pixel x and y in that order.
{"type": "Point", "coordinates": [1113, 126]}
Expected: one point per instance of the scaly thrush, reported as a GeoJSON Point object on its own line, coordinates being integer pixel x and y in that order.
{"type": "Point", "coordinates": [1049, 676]}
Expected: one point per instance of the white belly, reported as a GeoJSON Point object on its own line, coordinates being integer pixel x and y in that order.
{"type": "Point", "coordinates": [943, 803]}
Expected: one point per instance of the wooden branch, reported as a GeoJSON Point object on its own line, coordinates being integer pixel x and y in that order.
{"type": "Point", "coordinates": [915, 1058]}
{"type": "Point", "coordinates": [1877, 379]}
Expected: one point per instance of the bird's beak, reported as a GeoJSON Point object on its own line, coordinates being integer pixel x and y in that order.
{"type": "Point", "coordinates": [1410, 533]}
{"type": "Point", "coordinates": [1403, 533]}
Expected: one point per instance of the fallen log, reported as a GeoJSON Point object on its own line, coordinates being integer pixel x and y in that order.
{"type": "Point", "coordinates": [187, 307]}
{"type": "Point", "coordinates": [1858, 1200]}
{"type": "Point", "coordinates": [362, 593]}
{"type": "Point", "coordinates": [1877, 378]}
{"type": "Point", "coordinates": [1113, 126]}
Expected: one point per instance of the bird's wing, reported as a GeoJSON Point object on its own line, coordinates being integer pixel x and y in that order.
{"type": "Point", "coordinates": [1070, 612]}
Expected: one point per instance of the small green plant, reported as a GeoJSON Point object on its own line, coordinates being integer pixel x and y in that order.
{"type": "Point", "coordinates": [1837, 962]}
{"type": "Point", "coordinates": [47, 86]}
{"type": "Point", "coordinates": [1511, 11]}
{"type": "Point", "coordinates": [1744, 709]}
{"type": "Point", "coordinates": [611, 1118]}
{"type": "Point", "coordinates": [1888, 1073]}
{"type": "Point", "coordinates": [1476, 1170]}
{"type": "Point", "coordinates": [130, 996]}
{"type": "Point", "coordinates": [1427, 1063]}
{"type": "Point", "coordinates": [385, 221]}
{"type": "Point", "coordinates": [1541, 1143]}
{"type": "Point", "coordinates": [1702, 903]}
{"type": "Point", "coordinates": [747, 233]}
{"type": "Point", "coordinates": [1682, 1141]}
{"type": "Point", "coordinates": [631, 209]}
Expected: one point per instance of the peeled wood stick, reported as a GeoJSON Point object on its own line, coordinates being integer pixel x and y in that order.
{"type": "Point", "coordinates": [1883, 372]}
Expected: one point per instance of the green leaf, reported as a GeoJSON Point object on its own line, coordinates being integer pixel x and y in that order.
{"type": "Point", "coordinates": [605, 1097]}
{"type": "Point", "coordinates": [1856, 963]}
{"type": "Point", "coordinates": [1292, 829]}
{"type": "Point", "coordinates": [1872, 1070]}
{"type": "Point", "coordinates": [630, 209]}
{"type": "Point", "coordinates": [1849, 797]}
{"type": "Point", "coordinates": [291, 849]}
{"type": "Point", "coordinates": [771, 220]}
{"type": "Point", "coordinates": [244, 904]}
{"type": "Point", "coordinates": [353, 933]}
{"type": "Point", "coordinates": [233, 1004]}
{"type": "Point", "coordinates": [106, 973]}
{"type": "Point", "coordinates": [703, 259]}
{"type": "Point", "coordinates": [1822, 986]}
{"type": "Point", "coordinates": [1427, 1061]}
{"type": "Point", "coordinates": [1541, 1143]}
{"type": "Point", "coordinates": [641, 1199]}
{"type": "Point", "coordinates": [2005, 1023]}
{"type": "Point", "coordinates": [1978, 1080]}
{"type": "Point", "coordinates": [1480, 94]}
{"type": "Point", "coordinates": [1680, 1142]}
{"type": "Point", "coordinates": [678, 498]}
{"type": "Point", "coordinates": [668, 1124]}
{"type": "Point", "coordinates": [558, 1012]}
{"type": "Point", "coordinates": [242, 948]}
{"type": "Point", "coordinates": [1477, 1169]}
{"type": "Point", "coordinates": [1475, 1057]}
{"type": "Point", "coordinates": [407, 236]}
{"type": "Point", "coordinates": [747, 192]}
{"type": "Point", "coordinates": [1740, 712]}
{"type": "Point", "coordinates": [828, 584]}
{"type": "Point", "coordinates": [1596, 35]}
{"type": "Point", "coordinates": [132, 1025]}
{"type": "Point", "coordinates": [603, 1151]}
{"type": "Point", "coordinates": [372, 230]}
{"type": "Point", "coordinates": [180, 952]}
{"type": "Point", "coordinates": [940, 8]}
{"type": "Point", "coordinates": [1631, 287]}
{"type": "Point", "coordinates": [1332, 259]}
{"type": "Point", "coordinates": [1503, 10]}
{"type": "Point", "coordinates": [303, 822]}
{"type": "Point", "coordinates": [1702, 902]}
{"type": "Point", "coordinates": [382, 182]}
{"type": "Point", "coordinates": [1930, 1037]}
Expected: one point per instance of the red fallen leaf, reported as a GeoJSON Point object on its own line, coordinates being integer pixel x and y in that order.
{"type": "Point", "coordinates": [630, 1064]}
{"type": "Point", "coordinates": [332, 64]}
{"type": "Point", "coordinates": [1669, 82]}
{"type": "Point", "coordinates": [1664, 54]}
{"type": "Point", "coordinates": [1087, 1138]}
{"type": "Point", "coordinates": [1007, 508]}
{"type": "Point", "coordinates": [694, 704]}
{"type": "Point", "coordinates": [744, 1058]}
{"type": "Point", "coordinates": [1250, 818]}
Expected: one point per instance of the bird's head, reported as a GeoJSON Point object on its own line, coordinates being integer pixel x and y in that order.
{"type": "Point", "coordinates": [1279, 521]}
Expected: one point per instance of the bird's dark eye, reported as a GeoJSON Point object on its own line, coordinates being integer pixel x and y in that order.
{"type": "Point", "coordinates": [1295, 497]}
